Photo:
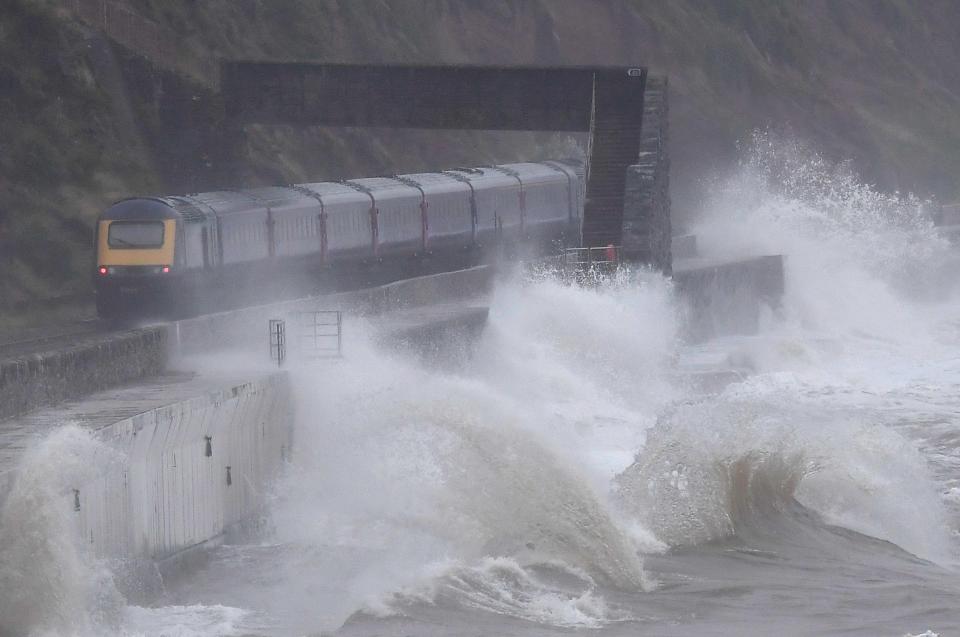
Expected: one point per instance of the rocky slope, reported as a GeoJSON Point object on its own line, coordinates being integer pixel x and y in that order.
{"type": "Point", "coordinates": [877, 81]}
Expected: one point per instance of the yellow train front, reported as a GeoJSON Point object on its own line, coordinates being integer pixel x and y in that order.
{"type": "Point", "coordinates": [137, 262]}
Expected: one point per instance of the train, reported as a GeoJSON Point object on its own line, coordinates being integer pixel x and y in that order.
{"type": "Point", "coordinates": [175, 256]}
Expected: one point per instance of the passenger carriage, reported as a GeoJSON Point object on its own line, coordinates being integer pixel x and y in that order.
{"type": "Point", "coordinates": [185, 254]}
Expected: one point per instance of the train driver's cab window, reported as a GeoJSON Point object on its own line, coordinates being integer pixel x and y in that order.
{"type": "Point", "coordinates": [135, 234]}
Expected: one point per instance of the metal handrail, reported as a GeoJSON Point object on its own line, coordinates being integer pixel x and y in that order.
{"type": "Point", "coordinates": [598, 255]}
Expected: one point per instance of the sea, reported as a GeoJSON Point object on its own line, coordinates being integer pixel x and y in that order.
{"type": "Point", "coordinates": [570, 473]}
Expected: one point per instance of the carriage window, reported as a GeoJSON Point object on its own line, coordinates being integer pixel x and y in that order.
{"type": "Point", "coordinates": [135, 234]}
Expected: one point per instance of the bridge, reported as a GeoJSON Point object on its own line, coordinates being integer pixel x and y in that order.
{"type": "Point", "coordinates": [623, 109]}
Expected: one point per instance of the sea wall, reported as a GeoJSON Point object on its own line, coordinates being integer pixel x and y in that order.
{"type": "Point", "coordinates": [190, 456]}
{"type": "Point", "coordinates": [189, 471]}
{"type": "Point", "coordinates": [444, 334]}
{"type": "Point", "coordinates": [34, 380]}
{"type": "Point", "coordinates": [247, 328]}
{"type": "Point", "coordinates": [728, 297]}
{"type": "Point", "coordinates": [46, 378]}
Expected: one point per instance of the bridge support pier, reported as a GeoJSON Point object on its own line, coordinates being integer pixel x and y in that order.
{"type": "Point", "coordinates": [646, 229]}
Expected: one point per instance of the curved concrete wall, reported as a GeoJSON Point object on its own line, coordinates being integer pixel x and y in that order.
{"type": "Point", "coordinates": [168, 494]}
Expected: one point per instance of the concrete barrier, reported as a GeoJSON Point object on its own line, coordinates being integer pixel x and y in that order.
{"type": "Point", "coordinates": [196, 458]}
{"type": "Point", "coordinates": [35, 380]}
{"type": "Point", "coordinates": [728, 297]}
{"type": "Point", "coordinates": [193, 456]}
{"type": "Point", "coordinates": [247, 328]}
{"type": "Point", "coordinates": [684, 246]}
{"type": "Point", "coordinates": [434, 334]}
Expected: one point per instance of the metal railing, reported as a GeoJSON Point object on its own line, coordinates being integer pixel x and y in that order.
{"type": "Point", "coordinates": [602, 257]}
{"type": "Point", "coordinates": [319, 333]}
{"type": "Point", "coordinates": [278, 341]}
{"type": "Point", "coordinates": [316, 334]}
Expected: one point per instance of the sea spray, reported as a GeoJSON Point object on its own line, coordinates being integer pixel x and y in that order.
{"type": "Point", "coordinates": [858, 261]}
{"type": "Point", "coordinates": [586, 366]}
{"type": "Point", "coordinates": [724, 467]}
{"type": "Point", "coordinates": [864, 306]}
{"type": "Point", "coordinates": [51, 583]}
{"type": "Point", "coordinates": [444, 459]}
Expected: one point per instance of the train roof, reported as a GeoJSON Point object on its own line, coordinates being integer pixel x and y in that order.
{"type": "Point", "coordinates": [334, 189]}
{"type": "Point", "coordinates": [569, 166]}
{"type": "Point", "coordinates": [430, 179]}
{"type": "Point", "coordinates": [485, 174]}
{"type": "Point", "coordinates": [140, 208]}
{"type": "Point", "coordinates": [278, 196]}
{"type": "Point", "coordinates": [531, 172]}
{"type": "Point", "coordinates": [199, 205]}
{"type": "Point", "coordinates": [226, 201]}
{"type": "Point", "coordinates": [380, 184]}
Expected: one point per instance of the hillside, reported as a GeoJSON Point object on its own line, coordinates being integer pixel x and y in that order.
{"type": "Point", "coordinates": [84, 121]}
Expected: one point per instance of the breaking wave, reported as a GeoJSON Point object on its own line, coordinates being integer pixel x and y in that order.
{"type": "Point", "coordinates": [859, 262]}
{"type": "Point", "coordinates": [737, 468]}
{"type": "Point", "coordinates": [870, 299]}
{"type": "Point", "coordinates": [549, 594]}
{"type": "Point", "coordinates": [410, 454]}
{"type": "Point", "coordinates": [51, 583]}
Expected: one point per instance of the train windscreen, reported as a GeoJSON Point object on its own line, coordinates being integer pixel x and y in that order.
{"type": "Point", "coordinates": [135, 234]}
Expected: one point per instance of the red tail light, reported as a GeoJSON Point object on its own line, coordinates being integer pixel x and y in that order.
{"type": "Point", "coordinates": [165, 269]}
{"type": "Point", "coordinates": [102, 270]}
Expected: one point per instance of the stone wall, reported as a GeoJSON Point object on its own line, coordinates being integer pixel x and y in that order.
{"type": "Point", "coordinates": [45, 378]}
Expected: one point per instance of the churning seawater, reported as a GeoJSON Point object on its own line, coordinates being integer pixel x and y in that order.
{"type": "Point", "coordinates": [566, 476]}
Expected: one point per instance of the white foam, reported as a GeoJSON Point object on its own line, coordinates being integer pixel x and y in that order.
{"type": "Point", "coordinates": [50, 584]}
{"type": "Point", "coordinates": [501, 585]}
{"type": "Point", "coordinates": [185, 621]}
{"type": "Point", "coordinates": [866, 338]}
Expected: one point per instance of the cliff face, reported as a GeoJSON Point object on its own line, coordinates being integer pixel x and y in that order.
{"type": "Point", "coordinates": [83, 122]}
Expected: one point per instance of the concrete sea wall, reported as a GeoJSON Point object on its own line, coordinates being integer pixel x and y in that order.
{"type": "Point", "coordinates": [189, 471]}
{"type": "Point", "coordinates": [41, 379]}
{"type": "Point", "coordinates": [247, 328]}
{"type": "Point", "coordinates": [728, 297]}
{"type": "Point", "coordinates": [190, 456]}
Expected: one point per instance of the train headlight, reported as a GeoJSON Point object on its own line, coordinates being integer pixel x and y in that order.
{"type": "Point", "coordinates": [103, 270]}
